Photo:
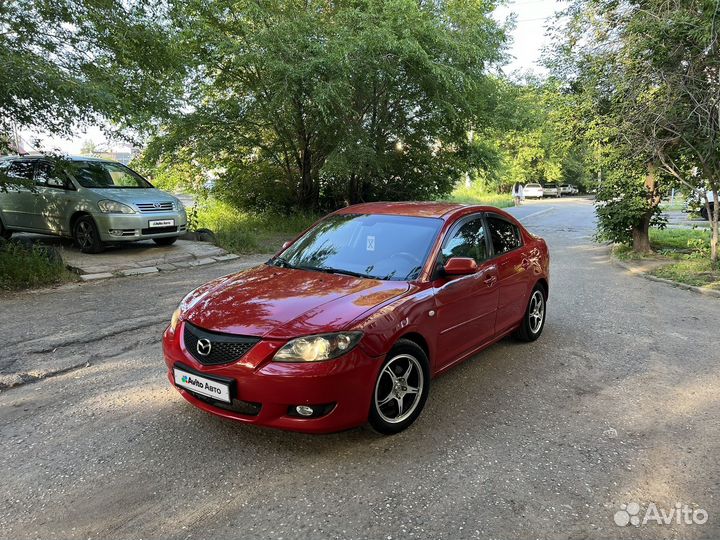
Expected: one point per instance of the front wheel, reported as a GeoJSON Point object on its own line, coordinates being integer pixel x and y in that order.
{"type": "Point", "coordinates": [86, 235]}
{"type": "Point", "coordinates": [401, 388]}
{"type": "Point", "coordinates": [534, 319]}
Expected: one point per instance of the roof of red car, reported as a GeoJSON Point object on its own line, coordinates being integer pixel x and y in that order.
{"type": "Point", "coordinates": [419, 209]}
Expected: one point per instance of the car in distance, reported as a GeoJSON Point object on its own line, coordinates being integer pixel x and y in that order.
{"type": "Point", "coordinates": [568, 189]}
{"type": "Point", "coordinates": [533, 191]}
{"type": "Point", "coordinates": [696, 202]}
{"type": "Point", "coordinates": [351, 321]}
{"type": "Point", "coordinates": [551, 190]}
{"type": "Point", "coordinates": [93, 201]}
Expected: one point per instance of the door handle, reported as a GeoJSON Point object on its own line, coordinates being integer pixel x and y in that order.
{"type": "Point", "coordinates": [490, 280]}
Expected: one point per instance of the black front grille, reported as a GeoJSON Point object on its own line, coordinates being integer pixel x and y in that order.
{"type": "Point", "coordinates": [239, 406]}
{"type": "Point", "coordinates": [224, 348]}
{"type": "Point", "coordinates": [159, 230]}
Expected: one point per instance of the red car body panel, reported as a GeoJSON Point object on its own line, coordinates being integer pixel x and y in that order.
{"type": "Point", "coordinates": [450, 317]}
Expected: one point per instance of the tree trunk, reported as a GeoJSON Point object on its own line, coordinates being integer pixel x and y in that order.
{"type": "Point", "coordinates": [354, 190]}
{"type": "Point", "coordinates": [641, 230]}
{"type": "Point", "coordinates": [641, 235]}
{"type": "Point", "coordinates": [307, 187]}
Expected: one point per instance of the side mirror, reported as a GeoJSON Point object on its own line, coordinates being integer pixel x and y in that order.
{"type": "Point", "coordinates": [286, 244]}
{"type": "Point", "coordinates": [460, 266]}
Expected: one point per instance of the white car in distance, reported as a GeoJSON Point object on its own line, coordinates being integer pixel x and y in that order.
{"type": "Point", "coordinates": [533, 191]}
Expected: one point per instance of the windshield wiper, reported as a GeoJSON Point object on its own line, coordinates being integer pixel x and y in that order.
{"type": "Point", "coordinates": [279, 261]}
{"type": "Point", "coordinates": [344, 272]}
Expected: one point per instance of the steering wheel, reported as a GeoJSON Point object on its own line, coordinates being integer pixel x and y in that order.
{"type": "Point", "coordinates": [409, 256]}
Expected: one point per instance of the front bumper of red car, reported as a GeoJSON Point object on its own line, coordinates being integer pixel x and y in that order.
{"type": "Point", "coordinates": [267, 393]}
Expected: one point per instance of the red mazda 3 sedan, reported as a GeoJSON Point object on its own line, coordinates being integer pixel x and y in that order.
{"type": "Point", "coordinates": [351, 321]}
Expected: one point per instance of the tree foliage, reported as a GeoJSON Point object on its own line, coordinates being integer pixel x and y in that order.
{"type": "Point", "coordinates": [650, 72]}
{"type": "Point", "coordinates": [70, 62]}
{"type": "Point", "coordinates": [312, 104]}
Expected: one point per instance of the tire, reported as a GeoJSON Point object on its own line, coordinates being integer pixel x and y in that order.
{"type": "Point", "coordinates": [4, 233]}
{"type": "Point", "coordinates": [534, 318]}
{"type": "Point", "coordinates": [165, 241]}
{"type": "Point", "coordinates": [86, 235]}
{"type": "Point", "coordinates": [405, 367]}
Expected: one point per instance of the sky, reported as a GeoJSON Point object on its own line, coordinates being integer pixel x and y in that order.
{"type": "Point", "coordinates": [528, 39]}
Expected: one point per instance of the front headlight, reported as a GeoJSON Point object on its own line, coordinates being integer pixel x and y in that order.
{"type": "Point", "coordinates": [113, 207]}
{"type": "Point", "coordinates": [318, 348]}
{"type": "Point", "coordinates": [175, 319]}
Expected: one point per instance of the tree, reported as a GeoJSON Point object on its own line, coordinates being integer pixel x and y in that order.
{"type": "Point", "coordinates": [536, 140]}
{"type": "Point", "coordinates": [651, 70]}
{"type": "Point", "coordinates": [91, 148]}
{"type": "Point", "coordinates": [310, 104]}
{"type": "Point", "coordinates": [70, 62]}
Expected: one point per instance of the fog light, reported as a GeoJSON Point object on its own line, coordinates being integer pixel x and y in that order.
{"type": "Point", "coordinates": [304, 410]}
{"type": "Point", "coordinates": [116, 232]}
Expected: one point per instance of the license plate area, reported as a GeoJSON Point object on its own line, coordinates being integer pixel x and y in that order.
{"type": "Point", "coordinates": [217, 388]}
{"type": "Point", "coordinates": [161, 223]}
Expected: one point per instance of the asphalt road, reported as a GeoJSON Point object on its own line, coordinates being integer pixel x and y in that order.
{"type": "Point", "coordinates": [618, 402]}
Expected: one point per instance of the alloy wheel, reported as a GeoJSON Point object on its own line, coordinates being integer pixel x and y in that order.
{"type": "Point", "coordinates": [399, 388]}
{"type": "Point", "coordinates": [536, 313]}
{"type": "Point", "coordinates": [85, 237]}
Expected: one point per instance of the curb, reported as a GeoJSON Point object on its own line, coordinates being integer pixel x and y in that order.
{"type": "Point", "coordinates": [165, 267]}
{"type": "Point", "coordinates": [692, 288]}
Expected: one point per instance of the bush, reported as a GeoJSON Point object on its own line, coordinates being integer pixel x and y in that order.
{"type": "Point", "coordinates": [23, 267]}
{"type": "Point", "coordinates": [241, 231]}
{"type": "Point", "coordinates": [624, 203]}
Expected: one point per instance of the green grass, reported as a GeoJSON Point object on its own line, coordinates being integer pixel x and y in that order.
{"type": "Point", "coordinates": [25, 268]}
{"type": "Point", "coordinates": [477, 195]}
{"type": "Point", "coordinates": [626, 253]}
{"type": "Point", "coordinates": [249, 232]}
{"type": "Point", "coordinates": [697, 272]}
{"type": "Point", "coordinates": [679, 239]}
{"type": "Point", "coordinates": [688, 248]}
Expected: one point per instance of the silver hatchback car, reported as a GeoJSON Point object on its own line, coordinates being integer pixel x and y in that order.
{"type": "Point", "coordinates": [94, 201]}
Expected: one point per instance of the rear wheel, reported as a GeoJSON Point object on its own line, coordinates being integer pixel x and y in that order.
{"type": "Point", "coordinates": [534, 319]}
{"type": "Point", "coordinates": [165, 241]}
{"type": "Point", "coordinates": [86, 235]}
{"type": "Point", "coordinates": [401, 388]}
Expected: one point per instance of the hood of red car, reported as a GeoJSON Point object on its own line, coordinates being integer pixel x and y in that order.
{"type": "Point", "coordinates": [284, 303]}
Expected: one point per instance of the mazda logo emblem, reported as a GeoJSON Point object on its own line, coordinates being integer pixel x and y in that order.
{"type": "Point", "coordinates": [204, 347]}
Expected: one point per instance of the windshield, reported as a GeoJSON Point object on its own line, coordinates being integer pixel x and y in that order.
{"type": "Point", "coordinates": [103, 174]}
{"type": "Point", "coordinates": [373, 246]}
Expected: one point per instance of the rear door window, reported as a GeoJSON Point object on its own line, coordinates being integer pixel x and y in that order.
{"type": "Point", "coordinates": [504, 235]}
{"type": "Point", "coordinates": [50, 175]}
